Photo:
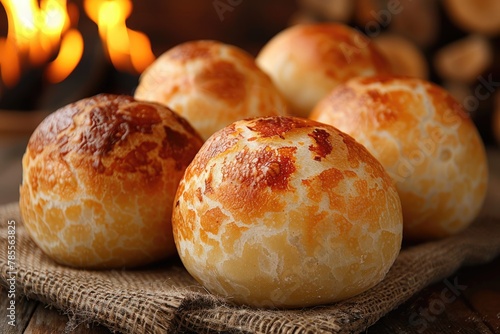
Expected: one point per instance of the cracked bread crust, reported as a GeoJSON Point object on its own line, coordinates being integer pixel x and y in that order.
{"type": "Point", "coordinates": [99, 178]}
{"type": "Point", "coordinates": [424, 139]}
{"type": "Point", "coordinates": [211, 84]}
{"type": "Point", "coordinates": [286, 212]}
{"type": "Point", "coordinates": [307, 61]}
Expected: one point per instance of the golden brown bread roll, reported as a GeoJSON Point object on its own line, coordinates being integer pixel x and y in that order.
{"type": "Point", "coordinates": [286, 212]}
{"type": "Point", "coordinates": [211, 84]}
{"type": "Point", "coordinates": [426, 142]}
{"type": "Point", "coordinates": [307, 61]}
{"type": "Point", "coordinates": [99, 179]}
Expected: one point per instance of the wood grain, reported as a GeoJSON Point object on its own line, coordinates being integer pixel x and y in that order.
{"type": "Point", "coordinates": [24, 309]}
{"type": "Point", "coordinates": [46, 320]}
{"type": "Point", "coordinates": [483, 294]}
{"type": "Point", "coordinates": [438, 309]}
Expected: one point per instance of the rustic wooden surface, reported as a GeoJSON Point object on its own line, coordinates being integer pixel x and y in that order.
{"type": "Point", "coordinates": [473, 308]}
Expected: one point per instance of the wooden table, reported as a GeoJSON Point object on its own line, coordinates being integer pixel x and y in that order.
{"type": "Point", "coordinates": [473, 308]}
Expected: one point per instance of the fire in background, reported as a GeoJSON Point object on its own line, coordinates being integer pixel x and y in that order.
{"type": "Point", "coordinates": [45, 34]}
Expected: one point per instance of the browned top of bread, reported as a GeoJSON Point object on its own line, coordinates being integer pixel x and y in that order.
{"type": "Point", "coordinates": [337, 45]}
{"type": "Point", "coordinates": [286, 211]}
{"type": "Point", "coordinates": [307, 61]}
{"type": "Point", "coordinates": [426, 141]}
{"type": "Point", "coordinates": [99, 128]}
{"type": "Point", "coordinates": [211, 84]}
{"type": "Point", "coordinates": [99, 177]}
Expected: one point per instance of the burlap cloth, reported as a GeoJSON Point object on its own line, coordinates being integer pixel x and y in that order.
{"type": "Point", "coordinates": [165, 298]}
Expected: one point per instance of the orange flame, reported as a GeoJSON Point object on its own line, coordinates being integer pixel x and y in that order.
{"type": "Point", "coordinates": [9, 62]}
{"type": "Point", "coordinates": [34, 36]}
{"type": "Point", "coordinates": [40, 30]}
{"type": "Point", "coordinates": [127, 49]}
{"type": "Point", "coordinates": [68, 57]}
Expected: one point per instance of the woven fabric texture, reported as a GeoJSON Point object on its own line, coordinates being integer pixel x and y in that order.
{"type": "Point", "coordinates": [164, 298]}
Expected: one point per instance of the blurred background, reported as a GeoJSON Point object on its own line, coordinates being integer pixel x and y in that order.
{"type": "Point", "coordinates": [53, 52]}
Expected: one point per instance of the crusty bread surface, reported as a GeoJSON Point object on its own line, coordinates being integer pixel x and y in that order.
{"type": "Point", "coordinates": [307, 61]}
{"type": "Point", "coordinates": [211, 84]}
{"type": "Point", "coordinates": [286, 212]}
{"type": "Point", "coordinates": [99, 179]}
{"type": "Point", "coordinates": [426, 142]}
